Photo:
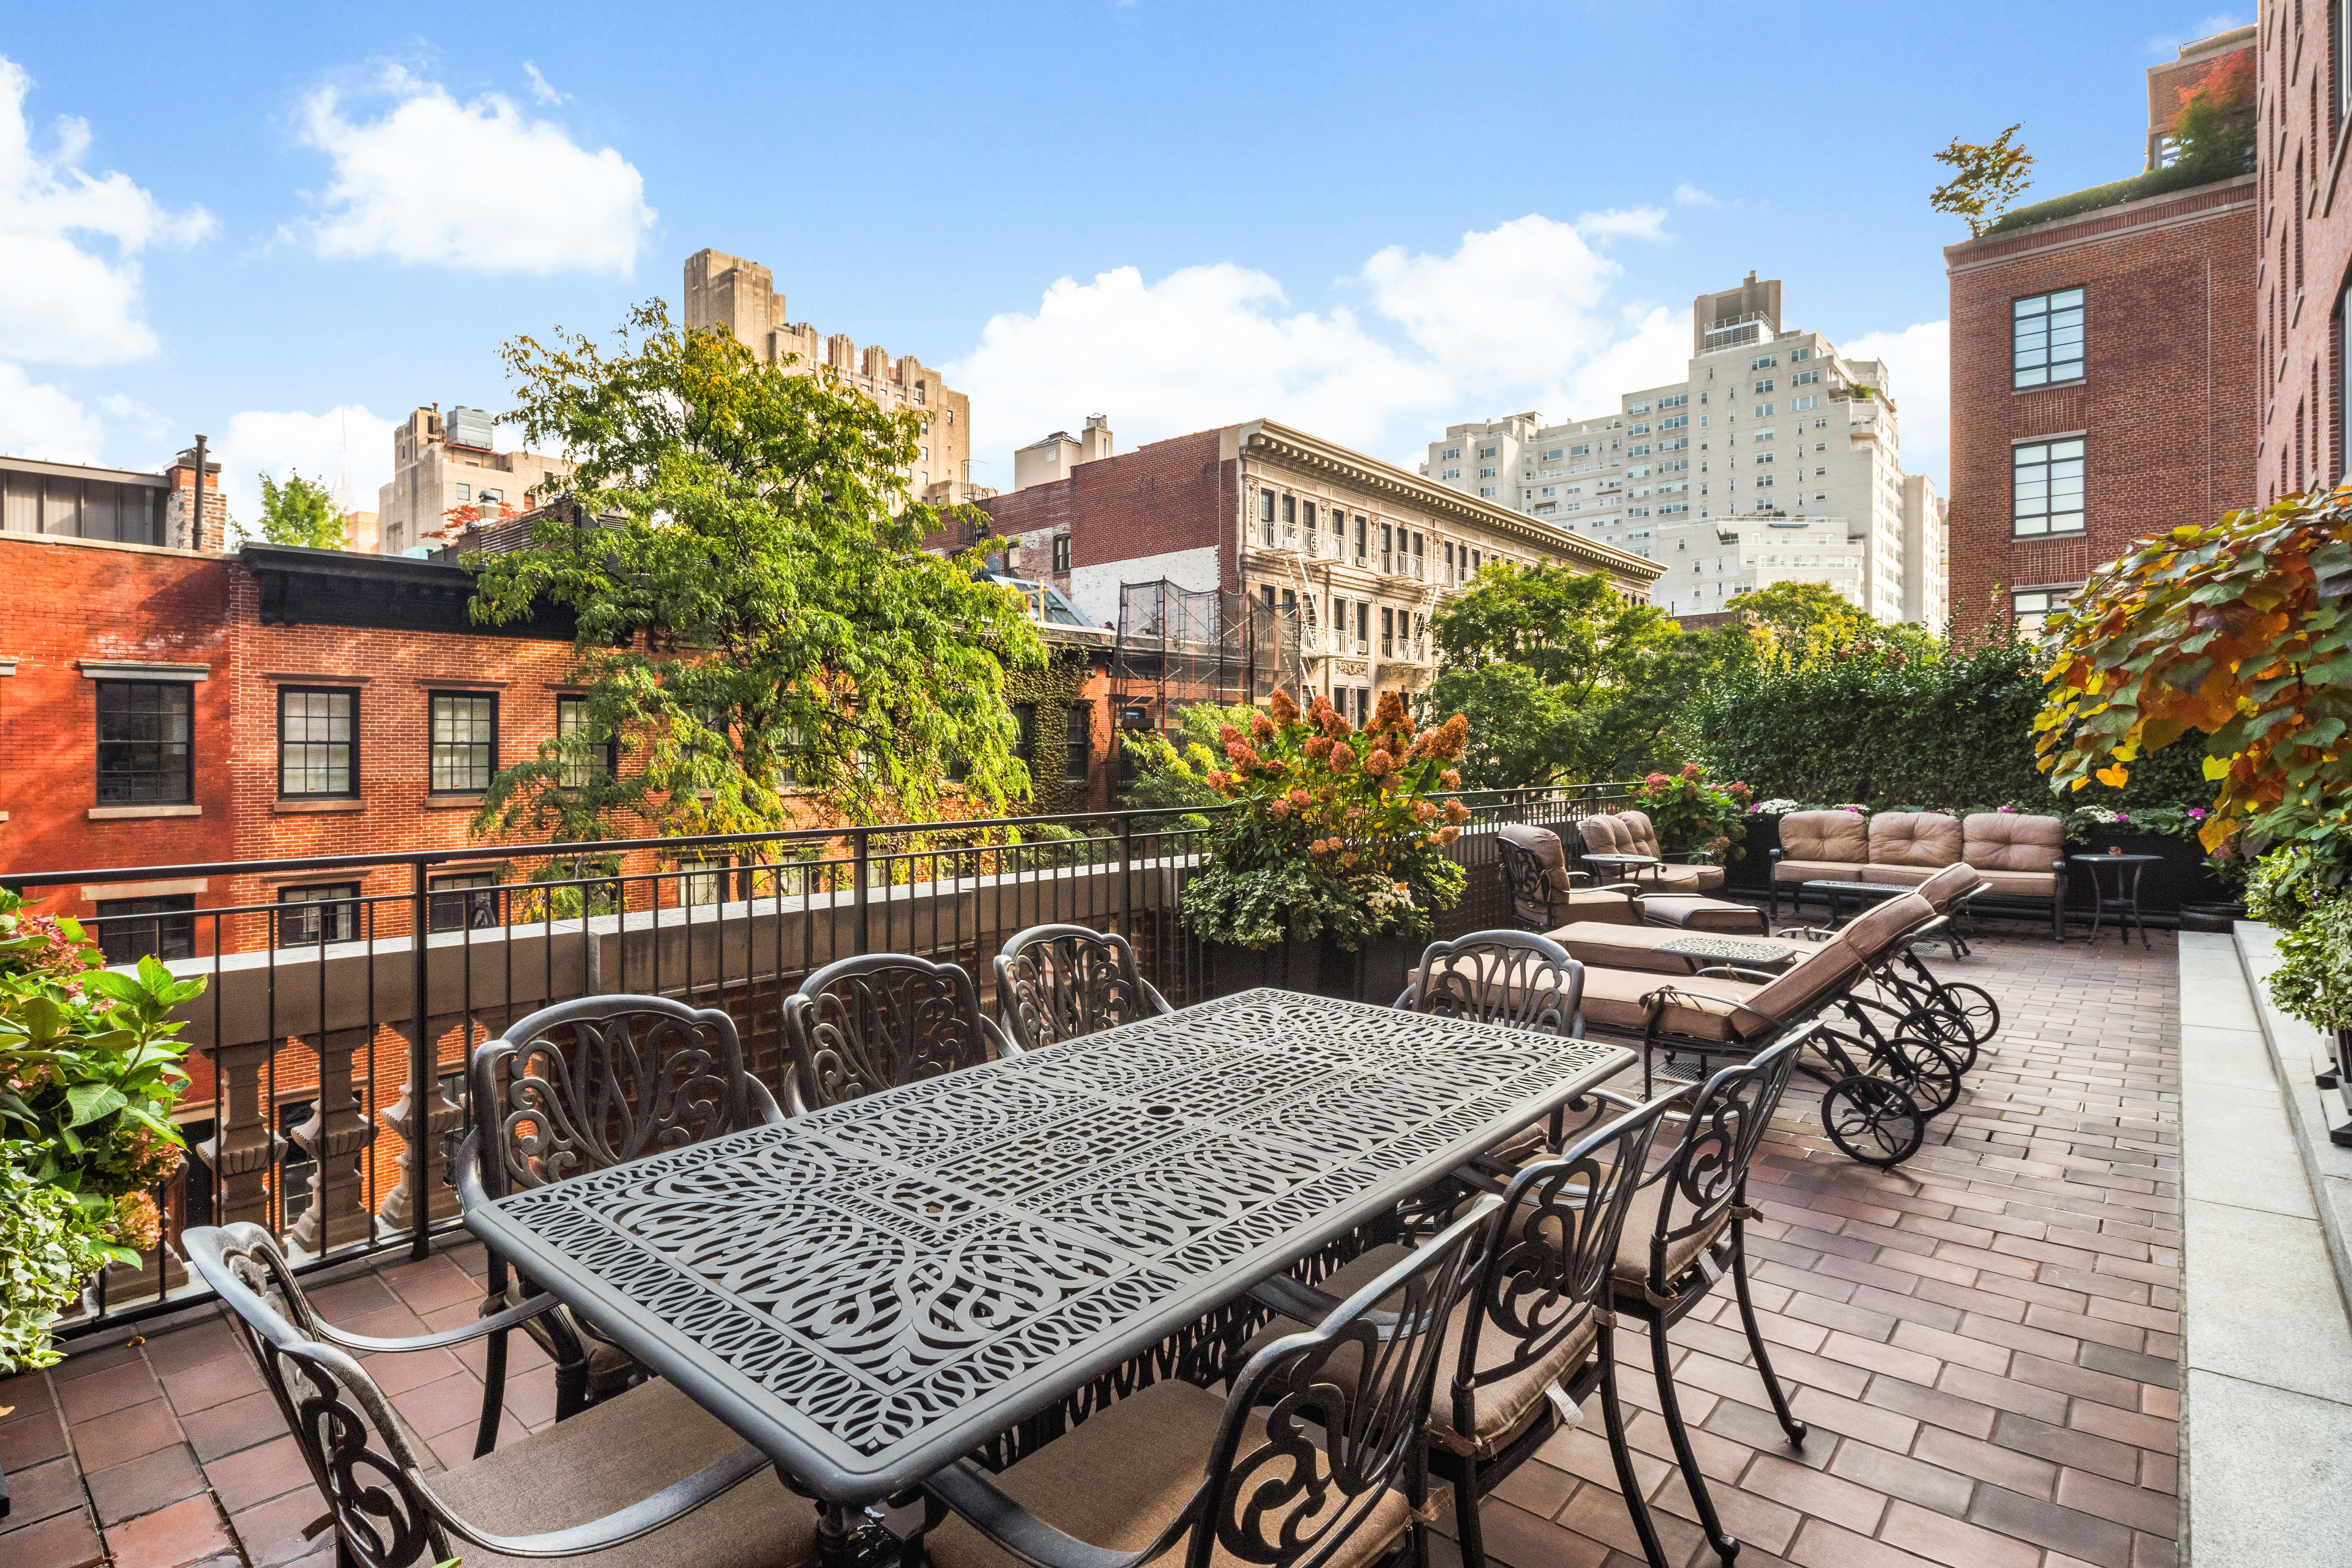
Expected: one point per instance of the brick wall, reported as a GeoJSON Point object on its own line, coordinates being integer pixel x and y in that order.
{"type": "Point", "coordinates": [2167, 403]}
{"type": "Point", "coordinates": [2306, 247]}
{"type": "Point", "coordinates": [1170, 495]}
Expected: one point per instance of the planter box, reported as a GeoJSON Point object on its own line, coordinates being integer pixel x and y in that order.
{"type": "Point", "coordinates": [1375, 975]}
{"type": "Point", "coordinates": [1752, 872]}
{"type": "Point", "coordinates": [2178, 877]}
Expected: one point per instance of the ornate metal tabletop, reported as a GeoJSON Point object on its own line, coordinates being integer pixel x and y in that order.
{"type": "Point", "coordinates": [1731, 948]}
{"type": "Point", "coordinates": [870, 1291]}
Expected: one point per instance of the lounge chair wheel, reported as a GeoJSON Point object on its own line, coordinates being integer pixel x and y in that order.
{"type": "Point", "coordinates": [1926, 1071]}
{"type": "Point", "coordinates": [1973, 1019]}
{"type": "Point", "coordinates": [1872, 1122]}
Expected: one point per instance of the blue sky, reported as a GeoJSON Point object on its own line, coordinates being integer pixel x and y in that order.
{"type": "Point", "coordinates": [281, 224]}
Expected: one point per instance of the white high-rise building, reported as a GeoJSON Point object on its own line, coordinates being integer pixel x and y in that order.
{"type": "Point", "coordinates": [1767, 423]}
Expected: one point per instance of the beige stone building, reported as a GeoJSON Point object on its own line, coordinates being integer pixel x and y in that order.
{"type": "Point", "coordinates": [438, 463]}
{"type": "Point", "coordinates": [729, 292]}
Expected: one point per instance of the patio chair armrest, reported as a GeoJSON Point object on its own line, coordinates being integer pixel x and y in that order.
{"type": "Point", "coordinates": [1633, 887]}
{"type": "Point", "coordinates": [1406, 998]}
{"type": "Point", "coordinates": [619, 1528]}
{"type": "Point", "coordinates": [969, 1492]}
{"type": "Point", "coordinates": [1000, 1042]}
{"type": "Point", "coordinates": [505, 1318]}
{"type": "Point", "coordinates": [796, 1102]}
{"type": "Point", "coordinates": [1151, 994]}
{"type": "Point", "coordinates": [1286, 1296]}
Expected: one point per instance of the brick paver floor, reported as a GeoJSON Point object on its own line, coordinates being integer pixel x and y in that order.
{"type": "Point", "coordinates": [1983, 1343]}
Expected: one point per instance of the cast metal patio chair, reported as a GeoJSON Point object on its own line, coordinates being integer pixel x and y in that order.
{"type": "Point", "coordinates": [644, 1479]}
{"type": "Point", "coordinates": [882, 1021]}
{"type": "Point", "coordinates": [1056, 983]}
{"type": "Point", "coordinates": [584, 1086]}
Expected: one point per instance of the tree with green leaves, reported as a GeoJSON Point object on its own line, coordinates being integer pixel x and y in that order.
{"type": "Point", "coordinates": [756, 611]}
{"type": "Point", "coordinates": [1560, 677]}
{"type": "Point", "coordinates": [1790, 612]}
{"type": "Point", "coordinates": [1986, 178]}
{"type": "Point", "coordinates": [300, 511]}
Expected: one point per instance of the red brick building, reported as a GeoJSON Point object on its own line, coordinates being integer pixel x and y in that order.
{"type": "Point", "coordinates": [2303, 92]}
{"type": "Point", "coordinates": [2104, 370]}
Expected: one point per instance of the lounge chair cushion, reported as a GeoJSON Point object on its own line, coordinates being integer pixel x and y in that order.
{"type": "Point", "coordinates": [1620, 947]}
{"type": "Point", "coordinates": [1505, 1407]}
{"type": "Point", "coordinates": [1116, 1481]}
{"type": "Point", "coordinates": [619, 1452]}
{"type": "Point", "coordinates": [1948, 886]}
{"type": "Point", "coordinates": [1685, 912]}
{"type": "Point", "coordinates": [1818, 871]}
{"type": "Point", "coordinates": [1617, 999]}
{"type": "Point", "coordinates": [1915, 838]}
{"type": "Point", "coordinates": [1871, 935]}
{"type": "Point", "coordinates": [1839, 837]}
{"type": "Point", "coordinates": [2013, 841]}
{"type": "Point", "coordinates": [1632, 1270]}
{"type": "Point", "coordinates": [1544, 844]}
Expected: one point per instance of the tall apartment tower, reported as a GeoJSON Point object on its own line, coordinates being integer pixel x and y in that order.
{"type": "Point", "coordinates": [1767, 422]}
{"type": "Point", "coordinates": [728, 292]}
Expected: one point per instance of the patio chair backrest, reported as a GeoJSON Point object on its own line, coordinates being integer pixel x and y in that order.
{"type": "Point", "coordinates": [596, 1082]}
{"type": "Point", "coordinates": [882, 1021]}
{"type": "Point", "coordinates": [1058, 981]}
{"type": "Point", "coordinates": [1509, 977]}
{"type": "Point", "coordinates": [1708, 1171]}
{"type": "Point", "coordinates": [1913, 839]}
{"type": "Point", "coordinates": [1346, 1403]}
{"type": "Point", "coordinates": [1835, 836]}
{"type": "Point", "coordinates": [1548, 1261]}
{"type": "Point", "coordinates": [1871, 936]}
{"type": "Point", "coordinates": [362, 1465]}
{"type": "Point", "coordinates": [1948, 886]}
{"type": "Point", "coordinates": [1534, 868]}
{"type": "Point", "coordinates": [2012, 841]}
{"type": "Point", "coordinates": [1639, 833]}
{"type": "Point", "coordinates": [1796, 993]}
{"type": "Point", "coordinates": [1605, 835]}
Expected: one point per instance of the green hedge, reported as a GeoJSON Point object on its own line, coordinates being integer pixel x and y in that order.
{"type": "Point", "coordinates": [2155, 183]}
{"type": "Point", "coordinates": [1897, 728]}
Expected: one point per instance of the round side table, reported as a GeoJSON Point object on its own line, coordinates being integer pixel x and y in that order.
{"type": "Point", "coordinates": [2124, 899]}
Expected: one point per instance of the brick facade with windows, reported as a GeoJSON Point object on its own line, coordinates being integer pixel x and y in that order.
{"type": "Point", "coordinates": [2164, 406]}
{"type": "Point", "coordinates": [2302, 85]}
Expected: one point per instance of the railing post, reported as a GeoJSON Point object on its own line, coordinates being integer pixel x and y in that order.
{"type": "Point", "coordinates": [421, 1076]}
{"type": "Point", "coordinates": [334, 1137]}
{"type": "Point", "coordinates": [858, 886]}
{"type": "Point", "coordinates": [1127, 878]}
{"type": "Point", "coordinates": [423, 1144]}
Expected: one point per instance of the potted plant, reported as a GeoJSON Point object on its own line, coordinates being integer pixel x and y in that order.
{"type": "Point", "coordinates": [89, 1070]}
{"type": "Point", "coordinates": [1328, 873]}
{"type": "Point", "coordinates": [1696, 815]}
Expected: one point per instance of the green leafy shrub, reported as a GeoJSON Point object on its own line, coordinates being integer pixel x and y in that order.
{"type": "Point", "coordinates": [47, 1247]}
{"type": "Point", "coordinates": [1705, 816]}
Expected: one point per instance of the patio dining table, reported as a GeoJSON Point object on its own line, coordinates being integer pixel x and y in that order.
{"type": "Point", "coordinates": [872, 1291]}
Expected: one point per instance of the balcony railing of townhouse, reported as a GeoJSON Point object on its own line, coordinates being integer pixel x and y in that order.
{"type": "Point", "coordinates": [306, 1054]}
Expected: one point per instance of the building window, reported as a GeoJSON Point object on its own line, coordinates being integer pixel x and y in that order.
{"type": "Point", "coordinates": [702, 881]}
{"type": "Point", "coordinates": [1061, 552]}
{"type": "Point", "coordinates": [1078, 742]}
{"type": "Point", "coordinates": [1362, 534]}
{"type": "Point", "coordinates": [1025, 740]}
{"type": "Point", "coordinates": [577, 772]}
{"type": "Point", "coordinates": [317, 733]}
{"type": "Point", "coordinates": [2048, 339]}
{"type": "Point", "coordinates": [465, 741]}
{"type": "Point", "coordinates": [145, 754]}
{"type": "Point", "coordinates": [129, 928]}
{"type": "Point", "coordinates": [466, 901]}
{"type": "Point", "coordinates": [2029, 606]}
{"type": "Point", "coordinates": [309, 916]}
{"type": "Point", "coordinates": [1266, 517]}
{"type": "Point", "coordinates": [2047, 487]}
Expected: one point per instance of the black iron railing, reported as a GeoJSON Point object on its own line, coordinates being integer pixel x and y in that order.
{"type": "Point", "coordinates": [327, 1024]}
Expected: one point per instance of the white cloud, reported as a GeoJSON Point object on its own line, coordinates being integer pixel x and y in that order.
{"type": "Point", "coordinates": [259, 441]}
{"type": "Point", "coordinates": [1919, 374]}
{"type": "Point", "coordinates": [1519, 316]}
{"type": "Point", "coordinates": [38, 420]}
{"type": "Point", "coordinates": [62, 303]}
{"type": "Point", "coordinates": [541, 89]}
{"type": "Point", "coordinates": [476, 186]}
{"type": "Point", "coordinates": [1690, 196]}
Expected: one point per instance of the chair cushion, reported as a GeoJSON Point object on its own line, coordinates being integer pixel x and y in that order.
{"type": "Point", "coordinates": [1116, 1480]}
{"type": "Point", "coordinates": [2021, 884]}
{"type": "Point", "coordinates": [1620, 947]}
{"type": "Point", "coordinates": [1596, 904]}
{"type": "Point", "coordinates": [1678, 878]}
{"type": "Point", "coordinates": [1948, 886]}
{"type": "Point", "coordinates": [1818, 871]}
{"type": "Point", "coordinates": [1687, 912]}
{"type": "Point", "coordinates": [1915, 838]}
{"type": "Point", "coordinates": [1872, 934]}
{"type": "Point", "coordinates": [1632, 1270]}
{"type": "Point", "coordinates": [616, 1453]}
{"type": "Point", "coordinates": [1641, 833]}
{"type": "Point", "coordinates": [1841, 837]}
{"type": "Point", "coordinates": [1604, 835]}
{"type": "Point", "coordinates": [1502, 1409]}
{"type": "Point", "coordinates": [2012, 841]}
{"type": "Point", "coordinates": [1615, 999]}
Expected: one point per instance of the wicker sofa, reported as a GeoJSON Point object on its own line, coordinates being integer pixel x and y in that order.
{"type": "Point", "coordinates": [2023, 856]}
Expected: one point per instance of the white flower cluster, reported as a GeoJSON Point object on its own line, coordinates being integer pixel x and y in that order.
{"type": "Point", "coordinates": [1775, 807]}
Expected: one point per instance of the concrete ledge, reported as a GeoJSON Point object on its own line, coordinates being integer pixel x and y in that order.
{"type": "Point", "coordinates": [2266, 1342]}
{"type": "Point", "coordinates": [2300, 1054]}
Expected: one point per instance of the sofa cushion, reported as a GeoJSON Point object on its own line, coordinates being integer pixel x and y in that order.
{"type": "Point", "coordinates": [1818, 871]}
{"type": "Point", "coordinates": [1915, 838]}
{"type": "Point", "coordinates": [2021, 884]}
{"type": "Point", "coordinates": [1835, 835]}
{"type": "Point", "coordinates": [2013, 841]}
{"type": "Point", "coordinates": [1900, 876]}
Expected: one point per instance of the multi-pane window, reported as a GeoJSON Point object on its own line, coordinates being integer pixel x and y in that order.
{"type": "Point", "coordinates": [1024, 742]}
{"type": "Point", "coordinates": [2048, 339]}
{"type": "Point", "coordinates": [601, 758]}
{"type": "Point", "coordinates": [2030, 605]}
{"type": "Point", "coordinates": [1061, 552]}
{"type": "Point", "coordinates": [318, 741]}
{"type": "Point", "coordinates": [129, 928]}
{"type": "Point", "coordinates": [1266, 517]}
{"type": "Point", "coordinates": [1078, 733]}
{"type": "Point", "coordinates": [462, 901]}
{"type": "Point", "coordinates": [2047, 485]}
{"type": "Point", "coordinates": [309, 916]}
{"type": "Point", "coordinates": [702, 881]}
{"type": "Point", "coordinates": [465, 741]}
{"type": "Point", "coordinates": [145, 754]}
